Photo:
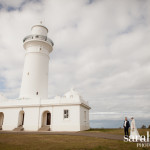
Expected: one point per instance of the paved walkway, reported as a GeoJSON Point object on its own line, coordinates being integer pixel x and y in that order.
{"type": "Point", "coordinates": [81, 133]}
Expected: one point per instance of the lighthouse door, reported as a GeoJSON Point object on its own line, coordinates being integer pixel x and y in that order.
{"type": "Point", "coordinates": [48, 119]}
{"type": "Point", "coordinates": [1, 120]}
{"type": "Point", "coordinates": [21, 119]}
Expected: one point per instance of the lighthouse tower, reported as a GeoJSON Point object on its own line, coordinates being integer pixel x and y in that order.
{"type": "Point", "coordinates": [35, 74]}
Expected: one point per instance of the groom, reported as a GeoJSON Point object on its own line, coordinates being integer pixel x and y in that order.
{"type": "Point", "coordinates": [126, 126]}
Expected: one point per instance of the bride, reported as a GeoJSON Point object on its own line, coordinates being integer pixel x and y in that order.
{"type": "Point", "coordinates": [134, 134]}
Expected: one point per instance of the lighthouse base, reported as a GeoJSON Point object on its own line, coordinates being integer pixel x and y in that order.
{"type": "Point", "coordinates": [58, 114]}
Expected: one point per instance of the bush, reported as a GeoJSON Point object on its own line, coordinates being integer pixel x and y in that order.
{"type": "Point", "coordinates": [143, 127]}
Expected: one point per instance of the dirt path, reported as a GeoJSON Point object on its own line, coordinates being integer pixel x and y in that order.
{"type": "Point", "coordinates": [82, 133]}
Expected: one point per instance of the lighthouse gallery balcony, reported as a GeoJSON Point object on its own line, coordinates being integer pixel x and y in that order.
{"type": "Point", "coordinates": [38, 37]}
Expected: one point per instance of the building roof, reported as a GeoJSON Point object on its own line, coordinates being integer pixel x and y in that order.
{"type": "Point", "coordinates": [2, 97]}
{"type": "Point", "coordinates": [71, 93]}
{"type": "Point", "coordinates": [70, 98]}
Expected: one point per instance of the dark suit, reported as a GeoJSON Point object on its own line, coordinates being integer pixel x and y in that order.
{"type": "Point", "coordinates": [126, 132]}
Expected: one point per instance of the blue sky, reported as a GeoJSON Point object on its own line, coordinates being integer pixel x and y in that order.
{"type": "Point", "coordinates": [102, 49]}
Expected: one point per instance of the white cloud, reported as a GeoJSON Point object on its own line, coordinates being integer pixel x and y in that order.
{"type": "Point", "coordinates": [101, 49]}
{"type": "Point", "coordinates": [11, 3]}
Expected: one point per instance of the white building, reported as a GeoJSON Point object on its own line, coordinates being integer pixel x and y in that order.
{"type": "Point", "coordinates": [33, 111]}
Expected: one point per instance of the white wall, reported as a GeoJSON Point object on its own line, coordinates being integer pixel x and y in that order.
{"type": "Point", "coordinates": [33, 118]}
{"type": "Point", "coordinates": [69, 124]}
{"type": "Point", "coordinates": [35, 75]}
{"type": "Point", "coordinates": [11, 116]}
{"type": "Point", "coordinates": [84, 118]}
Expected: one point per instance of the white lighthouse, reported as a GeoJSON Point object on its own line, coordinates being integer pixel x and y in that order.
{"type": "Point", "coordinates": [33, 111]}
{"type": "Point", "coordinates": [35, 73]}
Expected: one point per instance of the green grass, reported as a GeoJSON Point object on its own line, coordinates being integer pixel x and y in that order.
{"type": "Point", "coordinates": [118, 131]}
{"type": "Point", "coordinates": [65, 142]}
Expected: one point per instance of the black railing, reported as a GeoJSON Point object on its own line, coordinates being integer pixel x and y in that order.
{"type": "Point", "coordinates": [38, 37]}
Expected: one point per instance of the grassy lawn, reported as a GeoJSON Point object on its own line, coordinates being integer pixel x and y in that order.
{"type": "Point", "coordinates": [63, 142]}
{"type": "Point", "coordinates": [118, 131]}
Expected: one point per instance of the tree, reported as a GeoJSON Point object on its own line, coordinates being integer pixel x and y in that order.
{"type": "Point", "coordinates": [143, 127]}
{"type": "Point", "coordinates": [149, 127]}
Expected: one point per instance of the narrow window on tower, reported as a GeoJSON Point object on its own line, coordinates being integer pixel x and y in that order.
{"type": "Point", "coordinates": [66, 113]}
{"type": "Point", "coordinates": [37, 93]}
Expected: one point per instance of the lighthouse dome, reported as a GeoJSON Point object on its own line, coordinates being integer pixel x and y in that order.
{"type": "Point", "coordinates": [39, 30]}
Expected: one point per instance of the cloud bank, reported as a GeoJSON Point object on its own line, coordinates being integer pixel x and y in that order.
{"type": "Point", "coordinates": [102, 50]}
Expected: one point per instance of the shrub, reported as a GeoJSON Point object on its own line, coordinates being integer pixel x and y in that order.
{"type": "Point", "coordinates": [143, 127]}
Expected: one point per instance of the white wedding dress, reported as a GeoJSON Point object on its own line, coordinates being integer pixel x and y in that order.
{"type": "Point", "coordinates": [134, 134]}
